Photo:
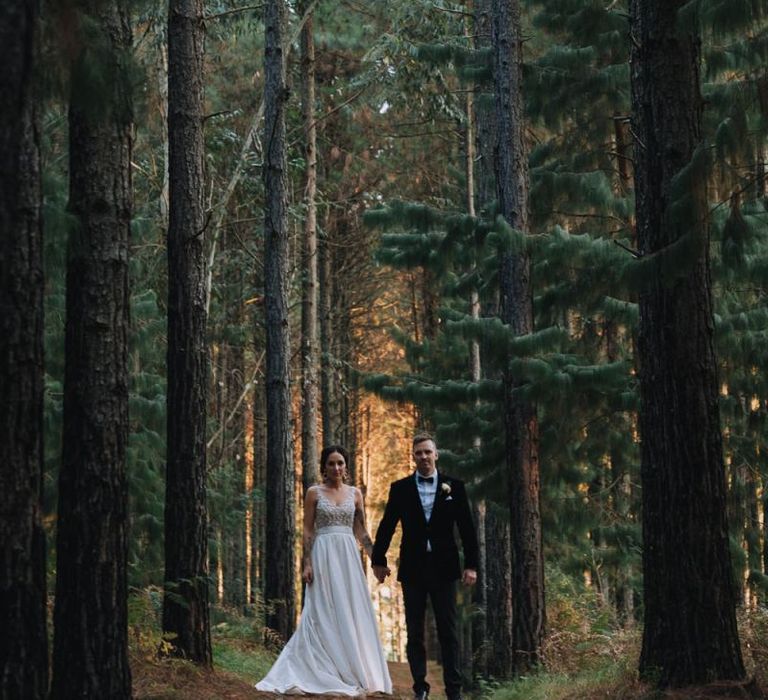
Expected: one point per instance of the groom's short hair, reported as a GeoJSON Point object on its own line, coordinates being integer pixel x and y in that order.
{"type": "Point", "coordinates": [422, 437]}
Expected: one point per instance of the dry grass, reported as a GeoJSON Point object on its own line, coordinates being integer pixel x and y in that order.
{"type": "Point", "coordinates": [173, 679]}
{"type": "Point", "coordinates": [587, 665]}
{"type": "Point", "coordinates": [588, 655]}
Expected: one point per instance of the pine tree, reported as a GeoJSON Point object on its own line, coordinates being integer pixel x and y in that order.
{"type": "Point", "coordinates": [185, 603]}
{"type": "Point", "coordinates": [90, 646]}
{"type": "Point", "coordinates": [733, 85]}
{"type": "Point", "coordinates": [232, 442]}
{"type": "Point", "coordinates": [309, 304]}
{"type": "Point", "coordinates": [516, 310]}
{"type": "Point", "coordinates": [690, 633]}
{"type": "Point", "coordinates": [279, 566]}
{"type": "Point", "coordinates": [24, 649]}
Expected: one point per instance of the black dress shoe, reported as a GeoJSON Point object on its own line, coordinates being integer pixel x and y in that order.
{"type": "Point", "coordinates": [420, 695]}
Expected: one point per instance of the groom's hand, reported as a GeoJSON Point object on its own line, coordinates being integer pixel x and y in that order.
{"type": "Point", "coordinates": [469, 578]}
{"type": "Point", "coordinates": [381, 572]}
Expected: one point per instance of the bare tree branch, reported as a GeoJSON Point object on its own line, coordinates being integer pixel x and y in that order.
{"type": "Point", "coordinates": [235, 408]}
{"type": "Point", "coordinates": [250, 141]}
{"type": "Point", "coordinates": [232, 12]}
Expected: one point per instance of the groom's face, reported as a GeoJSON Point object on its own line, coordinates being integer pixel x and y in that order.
{"type": "Point", "coordinates": [425, 456]}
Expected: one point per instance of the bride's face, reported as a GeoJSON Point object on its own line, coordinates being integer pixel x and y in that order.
{"type": "Point", "coordinates": [335, 468]}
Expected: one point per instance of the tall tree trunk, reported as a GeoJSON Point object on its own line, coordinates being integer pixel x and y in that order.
{"type": "Point", "coordinates": [260, 487]}
{"type": "Point", "coordinates": [487, 596]}
{"type": "Point", "coordinates": [764, 480]}
{"type": "Point", "coordinates": [279, 588]}
{"type": "Point", "coordinates": [752, 534]}
{"type": "Point", "coordinates": [235, 446]}
{"type": "Point", "coordinates": [690, 633]}
{"type": "Point", "coordinates": [598, 493]}
{"type": "Point", "coordinates": [516, 310]}
{"type": "Point", "coordinates": [186, 600]}
{"type": "Point", "coordinates": [90, 654]}
{"type": "Point", "coordinates": [232, 460]}
{"type": "Point", "coordinates": [475, 646]}
{"type": "Point", "coordinates": [352, 439]}
{"type": "Point", "coordinates": [430, 302]}
{"type": "Point", "coordinates": [343, 348]}
{"type": "Point", "coordinates": [161, 71]}
{"type": "Point", "coordinates": [309, 297]}
{"type": "Point", "coordinates": [736, 494]}
{"type": "Point", "coordinates": [485, 121]}
{"type": "Point", "coordinates": [480, 646]}
{"type": "Point", "coordinates": [498, 565]}
{"type": "Point", "coordinates": [327, 393]}
{"type": "Point", "coordinates": [24, 645]}
{"type": "Point", "coordinates": [626, 507]}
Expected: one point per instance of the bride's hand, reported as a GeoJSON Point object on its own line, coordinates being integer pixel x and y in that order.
{"type": "Point", "coordinates": [307, 575]}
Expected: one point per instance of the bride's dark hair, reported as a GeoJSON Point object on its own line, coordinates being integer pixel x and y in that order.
{"type": "Point", "coordinates": [327, 452]}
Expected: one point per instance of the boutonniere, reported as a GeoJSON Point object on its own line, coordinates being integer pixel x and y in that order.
{"type": "Point", "coordinates": [445, 487]}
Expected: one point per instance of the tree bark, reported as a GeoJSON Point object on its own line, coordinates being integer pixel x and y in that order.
{"type": "Point", "coordinates": [690, 633]}
{"type": "Point", "coordinates": [516, 310]}
{"type": "Point", "coordinates": [487, 596]}
{"type": "Point", "coordinates": [309, 297]}
{"type": "Point", "coordinates": [234, 429]}
{"type": "Point", "coordinates": [90, 655]}
{"type": "Point", "coordinates": [485, 121]}
{"type": "Point", "coordinates": [24, 645]}
{"type": "Point", "coordinates": [475, 645]}
{"type": "Point", "coordinates": [327, 393]}
{"type": "Point", "coordinates": [752, 534]}
{"type": "Point", "coordinates": [260, 486]}
{"type": "Point", "coordinates": [279, 584]}
{"type": "Point", "coordinates": [499, 590]}
{"type": "Point", "coordinates": [186, 599]}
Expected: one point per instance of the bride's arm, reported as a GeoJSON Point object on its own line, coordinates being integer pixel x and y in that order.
{"type": "Point", "coordinates": [308, 538]}
{"type": "Point", "coordinates": [360, 530]}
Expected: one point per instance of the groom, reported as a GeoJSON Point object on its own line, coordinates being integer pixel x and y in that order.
{"type": "Point", "coordinates": [428, 505]}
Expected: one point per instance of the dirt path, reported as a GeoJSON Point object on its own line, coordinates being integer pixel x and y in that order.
{"type": "Point", "coordinates": [401, 685]}
{"type": "Point", "coordinates": [169, 681]}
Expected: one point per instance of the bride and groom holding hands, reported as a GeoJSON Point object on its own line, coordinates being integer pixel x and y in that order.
{"type": "Point", "coordinates": [336, 648]}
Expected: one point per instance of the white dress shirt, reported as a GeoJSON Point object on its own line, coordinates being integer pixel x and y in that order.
{"type": "Point", "coordinates": [427, 493]}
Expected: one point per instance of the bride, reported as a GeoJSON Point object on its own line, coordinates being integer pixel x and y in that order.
{"type": "Point", "coordinates": [335, 649]}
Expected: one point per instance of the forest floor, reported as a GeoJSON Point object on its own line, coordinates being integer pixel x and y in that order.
{"type": "Point", "coordinates": [581, 664]}
{"type": "Point", "coordinates": [155, 679]}
{"type": "Point", "coordinates": [176, 680]}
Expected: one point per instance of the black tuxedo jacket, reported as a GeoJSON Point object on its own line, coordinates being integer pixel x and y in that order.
{"type": "Point", "coordinates": [449, 509]}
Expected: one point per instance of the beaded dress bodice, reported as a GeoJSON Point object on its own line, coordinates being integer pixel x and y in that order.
{"type": "Point", "coordinates": [328, 513]}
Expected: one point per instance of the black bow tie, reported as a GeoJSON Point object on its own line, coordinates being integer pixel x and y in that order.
{"type": "Point", "coordinates": [426, 479]}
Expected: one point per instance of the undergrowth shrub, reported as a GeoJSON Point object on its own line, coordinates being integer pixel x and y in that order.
{"type": "Point", "coordinates": [582, 630]}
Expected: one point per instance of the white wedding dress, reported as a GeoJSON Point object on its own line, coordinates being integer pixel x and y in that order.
{"type": "Point", "coordinates": [335, 649]}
